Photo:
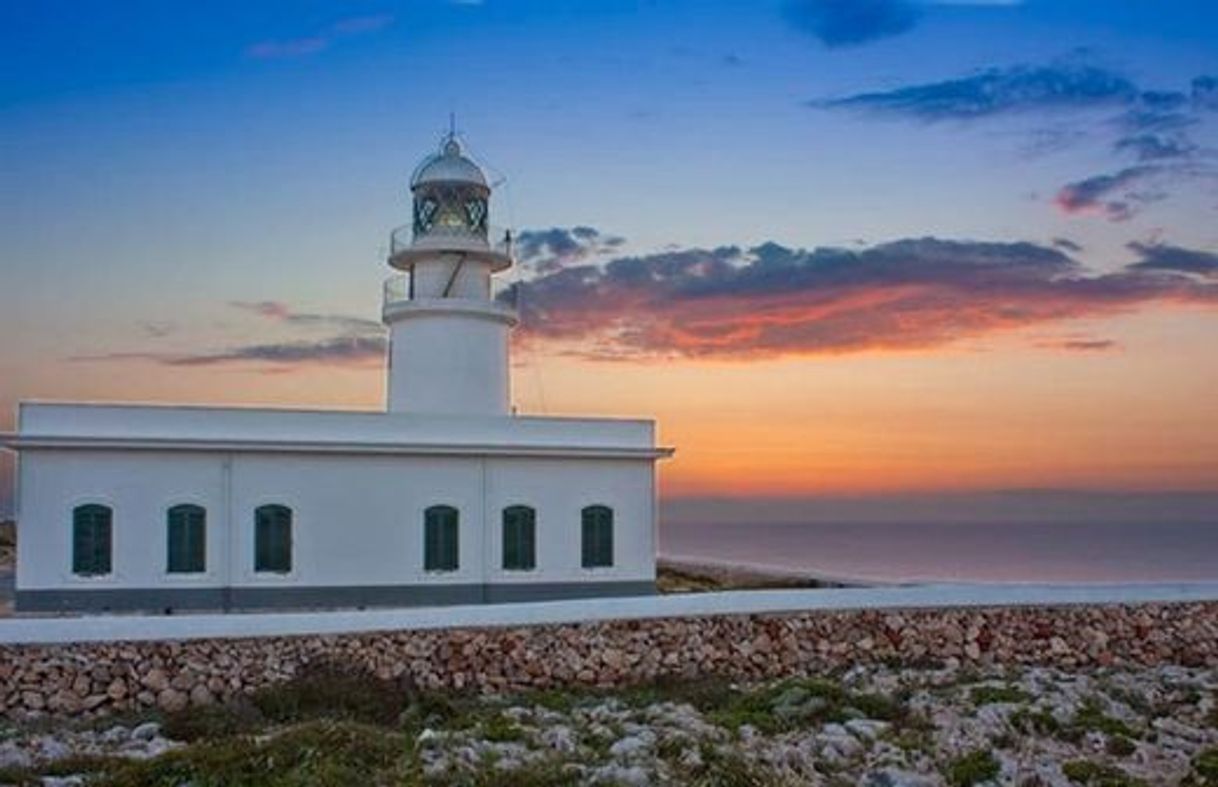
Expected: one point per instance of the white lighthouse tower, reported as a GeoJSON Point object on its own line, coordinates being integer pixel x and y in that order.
{"type": "Point", "coordinates": [448, 336]}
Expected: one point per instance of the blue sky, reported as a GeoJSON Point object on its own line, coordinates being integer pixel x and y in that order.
{"type": "Point", "coordinates": [163, 161]}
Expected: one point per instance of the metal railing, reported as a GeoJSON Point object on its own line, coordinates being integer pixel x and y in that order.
{"type": "Point", "coordinates": [397, 289]}
{"type": "Point", "coordinates": [494, 238]}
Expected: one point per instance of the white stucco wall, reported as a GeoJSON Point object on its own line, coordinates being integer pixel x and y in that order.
{"type": "Point", "coordinates": [357, 519]}
{"type": "Point", "coordinates": [448, 362]}
{"type": "Point", "coordinates": [198, 423]}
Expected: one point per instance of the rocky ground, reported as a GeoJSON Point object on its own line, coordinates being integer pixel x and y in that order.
{"type": "Point", "coordinates": [877, 726]}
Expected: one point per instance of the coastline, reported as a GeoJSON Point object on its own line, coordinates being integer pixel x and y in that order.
{"type": "Point", "coordinates": [737, 575]}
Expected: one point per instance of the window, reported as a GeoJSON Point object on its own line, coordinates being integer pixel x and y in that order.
{"type": "Point", "coordinates": [273, 539]}
{"type": "Point", "coordinates": [91, 526]}
{"type": "Point", "coordinates": [440, 539]}
{"type": "Point", "coordinates": [187, 539]}
{"type": "Point", "coordinates": [519, 550]}
{"type": "Point", "coordinates": [597, 536]}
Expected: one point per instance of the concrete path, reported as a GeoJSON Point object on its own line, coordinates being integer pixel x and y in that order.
{"type": "Point", "coordinates": [22, 630]}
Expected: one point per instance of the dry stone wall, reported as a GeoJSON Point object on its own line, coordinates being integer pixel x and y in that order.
{"type": "Point", "coordinates": [89, 679]}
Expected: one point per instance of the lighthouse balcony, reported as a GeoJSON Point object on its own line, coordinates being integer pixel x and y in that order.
{"type": "Point", "coordinates": [401, 298]}
{"type": "Point", "coordinates": [491, 244]}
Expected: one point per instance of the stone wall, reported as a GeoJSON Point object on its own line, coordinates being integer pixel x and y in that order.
{"type": "Point", "coordinates": [84, 679]}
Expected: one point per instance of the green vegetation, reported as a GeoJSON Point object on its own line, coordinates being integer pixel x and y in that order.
{"type": "Point", "coordinates": [1093, 774]}
{"type": "Point", "coordinates": [319, 753]}
{"type": "Point", "coordinates": [1120, 746]}
{"type": "Point", "coordinates": [333, 692]}
{"type": "Point", "coordinates": [973, 768]}
{"type": "Point", "coordinates": [1205, 768]}
{"type": "Point", "coordinates": [672, 578]}
{"type": "Point", "coordinates": [1035, 721]}
{"type": "Point", "coordinates": [800, 703]}
{"type": "Point", "coordinates": [987, 695]}
{"type": "Point", "coordinates": [1090, 717]}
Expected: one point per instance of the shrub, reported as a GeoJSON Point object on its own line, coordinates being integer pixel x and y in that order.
{"type": "Point", "coordinates": [213, 721]}
{"type": "Point", "coordinates": [326, 690]}
{"type": "Point", "coordinates": [321, 753]}
{"type": "Point", "coordinates": [973, 768]}
{"type": "Point", "coordinates": [1090, 717]}
{"type": "Point", "coordinates": [986, 695]}
{"type": "Point", "coordinates": [1094, 774]}
{"type": "Point", "coordinates": [1120, 746]}
{"type": "Point", "coordinates": [1205, 767]}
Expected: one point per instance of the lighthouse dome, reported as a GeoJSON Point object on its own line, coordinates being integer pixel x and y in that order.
{"type": "Point", "coordinates": [448, 166]}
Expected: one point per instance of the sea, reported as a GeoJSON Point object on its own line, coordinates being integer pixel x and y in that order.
{"type": "Point", "coordinates": [955, 552]}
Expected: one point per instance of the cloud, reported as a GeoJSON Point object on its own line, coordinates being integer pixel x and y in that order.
{"type": "Point", "coordinates": [1107, 195]}
{"type": "Point", "coordinates": [333, 351]}
{"type": "Point", "coordinates": [281, 312]}
{"type": "Point", "coordinates": [771, 300]}
{"type": "Point", "coordinates": [275, 49]}
{"type": "Point", "coordinates": [1205, 93]}
{"type": "Point", "coordinates": [158, 330]}
{"type": "Point", "coordinates": [1156, 147]}
{"type": "Point", "coordinates": [358, 341]}
{"type": "Point", "coordinates": [549, 249]}
{"type": "Point", "coordinates": [292, 47]}
{"type": "Point", "coordinates": [837, 23]}
{"type": "Point", "coordinates": [1067, 244]}
{"type": "Point", "coordinates": [338, 350]}
{"type": "Point", "coordinates": [1078, 345]}
{"type": "Point", "coordinates": [1174, 259]}
{"type": "Point", "coordinates": [996, 91]}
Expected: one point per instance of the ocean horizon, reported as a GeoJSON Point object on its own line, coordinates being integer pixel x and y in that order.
{"type": "Point", "coordinates": [955, 552]}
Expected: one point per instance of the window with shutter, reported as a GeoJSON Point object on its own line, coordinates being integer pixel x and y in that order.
{"type": "Point", "coordinates": [440, 533]}
{"type": "Point", "coordinates": [519, 538]}
{"type": "Point", "coordinates": [187, 539]}
{"type": "Point", "coordinates": [91, 539]}
{"type": "Point", "coordinates": [273, 539]}
{"type": "Point", "coordinates": [597, 537]}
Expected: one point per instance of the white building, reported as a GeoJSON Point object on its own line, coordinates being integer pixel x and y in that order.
{"type": "Point", "coordinates": [447, 497]}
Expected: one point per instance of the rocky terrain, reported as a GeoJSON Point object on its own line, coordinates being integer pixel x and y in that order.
{"type": "Point", "coordinates": [869, 725]}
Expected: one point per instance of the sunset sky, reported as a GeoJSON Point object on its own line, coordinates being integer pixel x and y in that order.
{"type": "Point", "coordinates": [837, 248]}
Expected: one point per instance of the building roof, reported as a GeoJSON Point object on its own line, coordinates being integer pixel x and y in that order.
{"type": "Point", "coordinates": [450, 165]}
{"type": "Point", "coordinates": [236, 429]}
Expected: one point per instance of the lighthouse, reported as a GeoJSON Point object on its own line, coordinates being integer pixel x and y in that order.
{"type": "Point", "coordinates": [447, 497]}
{"type": "Point", "coordinates": [448, 335]}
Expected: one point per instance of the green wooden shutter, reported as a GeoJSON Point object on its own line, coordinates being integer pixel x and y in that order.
{"type": "Point", "coordinates": [440, 536]}
{"type": "Point", "coordinates": [597, 537]}
{"type": "Point", "coordinates": [519, 545]}
{"type": "Point", "coordinates": [528, 540]}
{"type": "Point", "coordinates": [273, 539]}
{"type": "Point", "coordinates": [91, 539]}
{"type": "Point", "coordinates": [450, 538]}
{"type": "Point", "coordinates": [187, 539]}
{"type": "Point", "coordinates": [511, 553]}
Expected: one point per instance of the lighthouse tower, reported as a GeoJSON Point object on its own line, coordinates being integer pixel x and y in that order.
{"type": "Point", "coordinates": [448, 335]}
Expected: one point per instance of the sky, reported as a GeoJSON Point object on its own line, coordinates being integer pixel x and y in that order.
{"type": "Point", "coordinates": [849, 250]}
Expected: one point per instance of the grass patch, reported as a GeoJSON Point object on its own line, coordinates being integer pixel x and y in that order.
{"type": "Point", "coordinates": [1034, 721]}
{"type": "Point", "coordinates": [801, 703]}
{"type": "Point", "coordinates": [213, 722]}
{"type": "Point", "coordinates": [21, 777]}
{"type": "Point", "coordinates": [321, 753]}
{"type": "Point", "coordinates": [500, 729]}
{"type": "Point", "coordinates": [989, 695]}
{"type": "Point", "coordinates": [1120, 746]}
{"type": "Point", "coordinates": [1090, 717]}
{"type": "Point", "coordinates": [1205, 768]}
{"type": "Point", "coordinates": [325, 690]}
{"type": "Point", "coordinates": [1094, 774]}
{"type": "Point", "coordinates": [973, 768]}
{"type": "Point", "coordinates": [720, 769]}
